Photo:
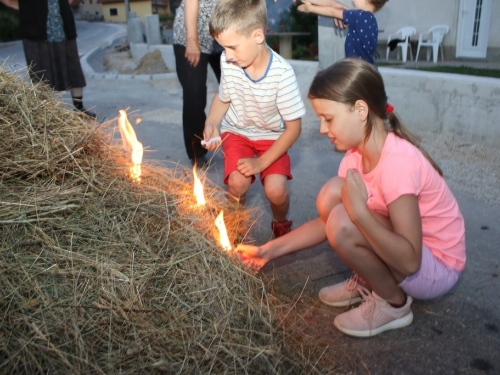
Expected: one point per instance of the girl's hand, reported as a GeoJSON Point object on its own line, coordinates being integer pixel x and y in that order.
{"type": "Point", "coordinates": [249, 166]}
{"type": "Point", "coordinates": [252, 256]}
{"type": "Point", "coordinates": [354, 195]}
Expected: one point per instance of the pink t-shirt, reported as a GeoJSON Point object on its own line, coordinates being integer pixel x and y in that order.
{"type": "Point", "coordinates": [402, 170]}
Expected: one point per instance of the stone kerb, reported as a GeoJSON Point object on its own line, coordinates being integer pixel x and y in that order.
{"type": "Point", "coordinates": [454, 104]}
{"type": "Point", "coordinates": [461, 105]}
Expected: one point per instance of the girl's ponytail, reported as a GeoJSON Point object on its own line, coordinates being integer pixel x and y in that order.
{"type": "Point", "coordinates": [399, 128]}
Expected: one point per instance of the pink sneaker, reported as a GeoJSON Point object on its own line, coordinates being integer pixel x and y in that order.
{"type": "Point", "coordinates": [374, 316]}
{"type": "Point", "coordinates": [344, 293]}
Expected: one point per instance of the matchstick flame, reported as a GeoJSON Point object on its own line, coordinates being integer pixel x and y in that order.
{"type": "Point", "coordinates": [198, 189]}
{"type": "Point", "coordinates": [130, 142]}
{"type": "Point", "coordinates": [224, 239]}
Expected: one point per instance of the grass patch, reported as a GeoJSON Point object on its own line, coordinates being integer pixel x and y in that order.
{"type": "Point", "coordinates": [463, 69]}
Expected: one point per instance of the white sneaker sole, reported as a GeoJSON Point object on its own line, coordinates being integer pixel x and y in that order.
{"type": "Point", "coordinates": [346, 302]}
{"type": "Point", "coordinates": [395, 324]}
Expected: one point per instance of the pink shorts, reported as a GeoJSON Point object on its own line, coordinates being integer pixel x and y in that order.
{"type": "Point", "coordinates": [433, 279]}
{"type": "Point", "coordinates": [236, 147]}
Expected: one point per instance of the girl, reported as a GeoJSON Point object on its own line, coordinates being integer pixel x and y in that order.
{"type": "Point", "coordinates": [389, 214]}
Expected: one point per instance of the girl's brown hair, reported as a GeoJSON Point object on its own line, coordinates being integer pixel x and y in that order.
{"type": "Point", "coordinates": [354, 79]}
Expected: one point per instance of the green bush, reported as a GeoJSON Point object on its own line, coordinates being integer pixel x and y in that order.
{"type": "Point", "coordinates": [167, 18]}
{"type": "Point", "coordinates": [303, 47]}
{"type": "Point", "coordinates": [9, 24]}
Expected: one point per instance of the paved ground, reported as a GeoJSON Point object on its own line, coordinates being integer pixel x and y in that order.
{"type": "Point", "coordinates": [456, 334]}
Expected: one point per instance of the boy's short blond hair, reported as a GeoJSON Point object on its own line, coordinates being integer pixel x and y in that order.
{"type": "Point", "coordinates": [378, 4]}
{"type": "Point", "coordinates": [241, 16]}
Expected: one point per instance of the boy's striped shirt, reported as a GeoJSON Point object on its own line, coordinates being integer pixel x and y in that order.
{"type": "Point", "coordinates": [258, 108]}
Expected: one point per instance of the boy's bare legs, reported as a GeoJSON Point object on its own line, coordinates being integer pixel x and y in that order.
{"type": "Point", "coordinates": [276, 190]}
{"type": "Point", "coordinates": [238, 185]}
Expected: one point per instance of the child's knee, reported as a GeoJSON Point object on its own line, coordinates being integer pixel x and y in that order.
{"type": "Point", "coordinates": [340, 230]}
{"type": "Point", "coordinates": [329, 197]}
{"type": "Point", "coordinates": [276, 189]}
{"type": "Point", "coordinates": [238, 184]}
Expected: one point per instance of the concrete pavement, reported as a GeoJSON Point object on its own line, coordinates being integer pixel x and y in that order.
{"type": "Point", "coordinates": [456, 334]}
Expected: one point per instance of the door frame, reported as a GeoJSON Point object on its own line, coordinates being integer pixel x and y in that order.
{"type": "Point", "coordinates": [473, 35]}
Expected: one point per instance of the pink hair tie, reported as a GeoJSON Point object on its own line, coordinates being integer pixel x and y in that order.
{"type": "Point", "coordinates": [389, 108]}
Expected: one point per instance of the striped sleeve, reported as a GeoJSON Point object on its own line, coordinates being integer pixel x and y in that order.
{"type": "Point", "coordinates": [289, 100]}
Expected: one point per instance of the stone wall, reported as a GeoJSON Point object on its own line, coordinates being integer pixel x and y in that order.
{"type": "Point", "coordinates": [444, 103]}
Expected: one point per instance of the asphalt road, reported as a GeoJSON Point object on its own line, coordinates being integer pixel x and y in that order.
{"type": "Point", "coordinates": [90, 36]}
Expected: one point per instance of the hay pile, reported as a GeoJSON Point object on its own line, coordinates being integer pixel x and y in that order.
{"type": "Point", "coordinates": [99, 274]}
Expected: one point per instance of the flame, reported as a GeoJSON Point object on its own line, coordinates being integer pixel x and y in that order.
{"type": "Point", "coordinates": [130, 142]}
{"type": "Point", "coordinates": [198, 189]}
{"type": "Point", "coordinates": [224, 239]}
{"type": "Point", "coordinates": [138, 120]}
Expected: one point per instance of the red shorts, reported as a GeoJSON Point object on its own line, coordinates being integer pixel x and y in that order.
{"type": "Point", "coordinates": [236, 147]}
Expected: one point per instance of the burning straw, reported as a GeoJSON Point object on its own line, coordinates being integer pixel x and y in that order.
{"type": "Point", "coordinates": [99, 274]}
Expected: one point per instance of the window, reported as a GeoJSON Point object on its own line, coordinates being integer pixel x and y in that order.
{"type": "Point", "coordinates": [477, 20]}
{"type": "Point", "coordinates": [113, 11]}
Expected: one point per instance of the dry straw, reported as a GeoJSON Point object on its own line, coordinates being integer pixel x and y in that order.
{"type": "Point", "coordinates": [100, 275]}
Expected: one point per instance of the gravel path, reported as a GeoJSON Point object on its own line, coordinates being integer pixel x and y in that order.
{"type": "Point", "coordinates": [470, 167]}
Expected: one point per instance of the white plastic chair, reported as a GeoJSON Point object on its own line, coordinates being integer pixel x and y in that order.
{"type": "Point", "coordinates": [404, 34]}
{"type": "Point", "coordinates": [433, 38]}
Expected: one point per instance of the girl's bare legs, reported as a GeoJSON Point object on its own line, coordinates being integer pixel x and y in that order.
{"type": "Point", "coordinates": [307, 235]}
{"type": "Point", "coordinates": [357, 253]}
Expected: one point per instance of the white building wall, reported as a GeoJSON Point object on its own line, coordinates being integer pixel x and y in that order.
{"type": "Point", "coordinates": [424, 14]}
{"type": "Point", "coordinates": [494, 40]}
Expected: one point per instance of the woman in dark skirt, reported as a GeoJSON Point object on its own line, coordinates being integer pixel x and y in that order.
{"type": "Point", "coordinates": [48, 31]}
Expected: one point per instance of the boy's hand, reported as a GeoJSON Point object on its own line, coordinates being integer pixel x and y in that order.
{"type": "Point", "coordinates": [209, 133]}
{"type": "Point", "coordinates": [249, 166]}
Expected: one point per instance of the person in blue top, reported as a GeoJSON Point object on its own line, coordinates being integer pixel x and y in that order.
{"type": "Point", "coordinates": [362, 34]}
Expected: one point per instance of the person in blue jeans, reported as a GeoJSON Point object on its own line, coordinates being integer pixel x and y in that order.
{"type": "Point", "coordinates": [194, 50]}
{"type": "Point", "coordinates": [362, 34]}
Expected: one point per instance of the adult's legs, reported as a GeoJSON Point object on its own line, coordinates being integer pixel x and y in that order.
{"type": "Point", "coordinates": [77, 97]}
{"type": "Point", "coordinates": [214, 61]}
{"type": "Point", "coordinates": [58, 65]}
{"type": "Point", "coordinates": [193, 80]}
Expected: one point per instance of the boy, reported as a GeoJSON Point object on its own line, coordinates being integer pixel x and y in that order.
{"type": "Point", "coordinates": [362, 35]}
{"type": "Point", "coordinates": [259, 107]}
